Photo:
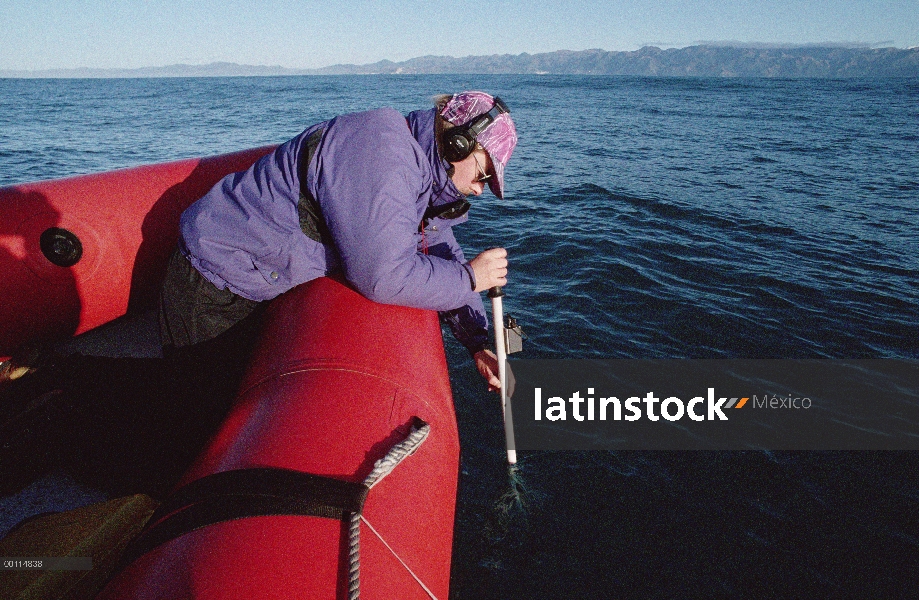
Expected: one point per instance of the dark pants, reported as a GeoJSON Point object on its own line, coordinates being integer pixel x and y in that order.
{"type": "Point", "coordinates": [129, 424]}
{"type": "Point", "coordinates": [193, 310]}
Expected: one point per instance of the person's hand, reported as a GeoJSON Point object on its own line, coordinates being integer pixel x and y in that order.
{"type": "Point", "coordinates": [487, 364]}
{"type": "Point", "coordinates": [490, 268]}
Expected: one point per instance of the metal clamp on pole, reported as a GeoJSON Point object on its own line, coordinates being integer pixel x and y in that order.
{"type": "Point", "coordinates": [513, 335]}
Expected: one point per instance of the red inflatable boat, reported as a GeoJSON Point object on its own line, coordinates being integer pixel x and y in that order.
{"type": "Point", "coordinates": [76, 253]}
{"type": "Point", "coordinates": [334, 383]}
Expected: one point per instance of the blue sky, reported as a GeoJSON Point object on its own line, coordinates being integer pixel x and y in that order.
{"type": "Point", "coordinates": [45, 34]}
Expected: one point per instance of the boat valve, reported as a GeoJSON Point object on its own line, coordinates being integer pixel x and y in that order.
{"type": "Point", "coordinates": [61, 247]}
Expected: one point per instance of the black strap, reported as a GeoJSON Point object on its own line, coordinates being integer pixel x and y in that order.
{"type": "Point", "coordinates": [450, 210]}
{"type": "Point", "coordinates": [266, 481]}
{"type": "Point", "coordinates": [243, 493]}
{"type": "Point", "coordinates": [312, 222]}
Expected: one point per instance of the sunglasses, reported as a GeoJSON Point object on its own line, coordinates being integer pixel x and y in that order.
{"type": "Point", "coordinates": [483, 176]}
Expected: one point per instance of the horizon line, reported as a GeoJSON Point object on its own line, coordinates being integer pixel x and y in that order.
{"type": "Point", "coordinates": [658, 45]}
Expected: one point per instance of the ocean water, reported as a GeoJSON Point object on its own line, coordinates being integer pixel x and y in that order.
{"type": "Point", "coordinates": [645, 218]}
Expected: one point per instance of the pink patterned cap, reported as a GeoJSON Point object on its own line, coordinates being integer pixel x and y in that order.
{"type": "Point", "coordinates": [498, 138]}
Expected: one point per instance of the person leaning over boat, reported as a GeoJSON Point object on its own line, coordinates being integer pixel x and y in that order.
{"type": "Point", "coordinates": [371, 195]}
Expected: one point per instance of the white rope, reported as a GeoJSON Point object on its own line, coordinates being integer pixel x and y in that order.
{"type": "Point", "coordinates": [381, 469]}
{"type": "Point", "coordinates": [410, 572]}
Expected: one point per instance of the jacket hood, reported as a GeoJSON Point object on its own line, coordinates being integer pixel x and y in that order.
{"type": "Point", "coordinates": [421, 123]}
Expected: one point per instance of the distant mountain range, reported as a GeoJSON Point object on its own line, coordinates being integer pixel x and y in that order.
{"type": "Point", "coordinates": [693, 61]}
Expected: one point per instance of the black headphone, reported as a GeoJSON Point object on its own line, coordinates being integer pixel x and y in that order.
{"type": "Point", "coordinates": [459, 141]}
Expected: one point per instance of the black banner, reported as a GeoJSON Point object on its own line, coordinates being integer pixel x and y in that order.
{"type": "Point", "coordinates": [715, 404]}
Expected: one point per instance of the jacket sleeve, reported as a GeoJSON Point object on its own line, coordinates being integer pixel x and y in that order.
{"type": "Point", "coordinates": [368, 176]}
{"type": "Point", "coordinates": [469, 323]}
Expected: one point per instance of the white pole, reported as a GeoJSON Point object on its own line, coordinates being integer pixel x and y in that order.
{"type": "Point", "coordinates": [497, 314]}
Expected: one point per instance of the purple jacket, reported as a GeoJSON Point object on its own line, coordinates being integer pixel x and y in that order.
{"type": "Point", "coordinates": [373, 176]}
